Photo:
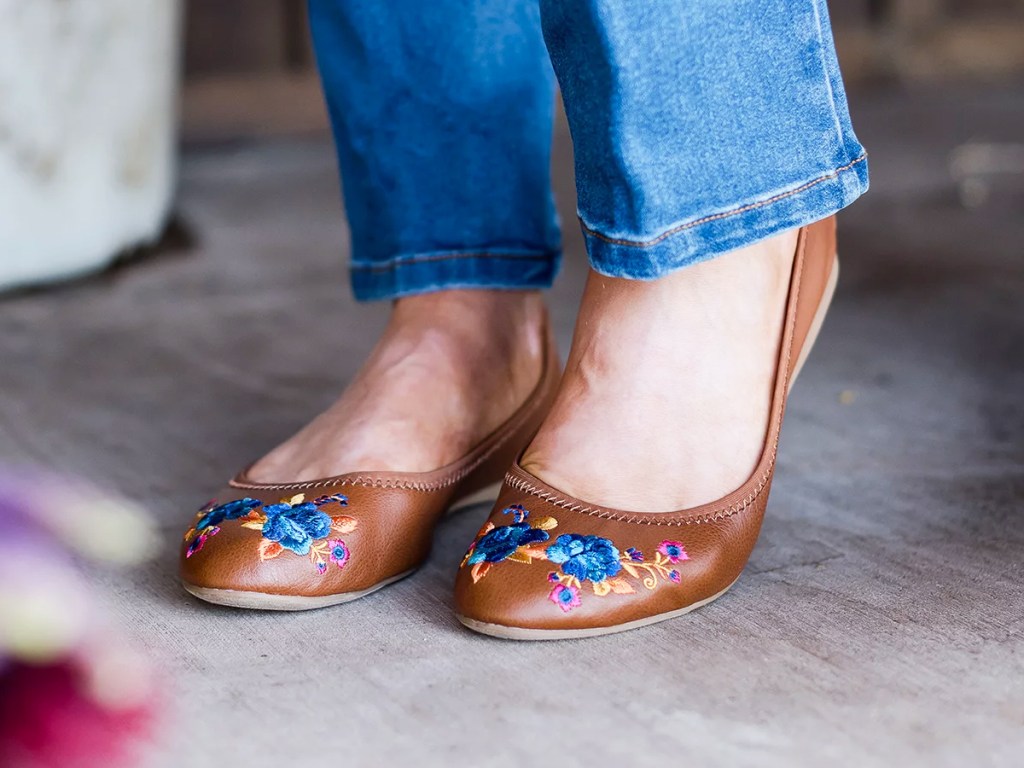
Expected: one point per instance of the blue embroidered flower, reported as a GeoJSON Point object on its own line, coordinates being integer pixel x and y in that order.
{"type": "Point", "coordinates": [585, 557]}
{"type": "Point", "coordinates": [337, 498]}
{"type": "Point", "coordinates": [635, 555]}
{"type": "Point", "coordinates": [495, 546]}
{"type": "Point", "coordinates": [231, 510]}
{"type": "Point", "coordinates": [518, 512]}
{"type": "Point", "coordinates": [295, 527]}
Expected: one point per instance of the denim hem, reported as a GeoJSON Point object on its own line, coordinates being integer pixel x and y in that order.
{"type": "Point", "coordinates": [412, 274]}
{"type": "Point", "coordinates": [712, 235]}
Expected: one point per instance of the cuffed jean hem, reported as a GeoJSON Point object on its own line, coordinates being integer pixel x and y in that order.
{"type": "Point", "coordinates": [427, 272]}
{"type": "Point", "coordinates": [704, 238]}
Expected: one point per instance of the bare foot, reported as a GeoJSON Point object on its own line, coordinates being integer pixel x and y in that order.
{"type": "Point", "coordinates": [665, 399]}
{"type": "Point", "coordinates": [450, 368]}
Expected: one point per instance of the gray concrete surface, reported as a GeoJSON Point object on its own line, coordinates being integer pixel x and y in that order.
{"type": "Point", "coordinates": [879, 622]}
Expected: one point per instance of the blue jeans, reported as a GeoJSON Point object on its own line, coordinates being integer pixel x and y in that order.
{"type": "Point", "coordinates": [698, 127]}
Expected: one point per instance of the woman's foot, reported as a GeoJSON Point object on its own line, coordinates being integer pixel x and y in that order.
{"type": "Point", "coordinates": [450, 368]}
{"type": "Point", "coordinates": [665, 399]}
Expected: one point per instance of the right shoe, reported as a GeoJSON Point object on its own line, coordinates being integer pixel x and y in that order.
{"type": "Point", "coordinates": [549, 566]}
{"type": "Point", "coordinates": [296, 546]}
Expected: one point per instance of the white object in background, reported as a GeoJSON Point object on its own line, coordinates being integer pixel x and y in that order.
{"type": "Point", "coordinates": [88, 113]}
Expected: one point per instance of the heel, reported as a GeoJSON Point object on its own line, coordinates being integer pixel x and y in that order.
{"type": "Point", "coordinates": [819, 318]}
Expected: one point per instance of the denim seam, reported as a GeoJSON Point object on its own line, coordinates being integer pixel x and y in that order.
{"type": "Point", "coordinates": [401, 261]}
{"type": "Point", "coordinates": [725, 214]}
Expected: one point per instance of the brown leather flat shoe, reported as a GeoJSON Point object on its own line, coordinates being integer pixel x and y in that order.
{"type": "Point", "coordinates": [547, 566]}
{"type": "Point", "coordinates": [296, 546]}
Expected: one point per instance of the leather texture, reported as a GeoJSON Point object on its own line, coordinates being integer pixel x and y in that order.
{"type": "Point", "coordinates": [283, 539]}
{"type": "Point", "coordinates": [550, 564]}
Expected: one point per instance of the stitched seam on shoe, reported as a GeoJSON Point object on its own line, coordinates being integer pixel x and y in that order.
{"type": "Point", "coordinates": [366, 482]}
{"type": "Point", "coordinates": [711, 517]}
{"type": "Point", "coordinates": [725, 214]}
{"type": "Point", "coordinates": [399, 262]}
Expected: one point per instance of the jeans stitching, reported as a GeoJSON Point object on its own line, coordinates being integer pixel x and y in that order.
{"type": "Point", "coordinates": [725, 214]}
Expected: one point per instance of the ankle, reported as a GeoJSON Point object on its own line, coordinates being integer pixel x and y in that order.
{"type": "Point", "coordinates": [488, 324]}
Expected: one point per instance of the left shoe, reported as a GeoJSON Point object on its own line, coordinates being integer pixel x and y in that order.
{"type": "Point", "coordinates": [297, 546]}
{"type": "Point", "coordinates": [547, 566]}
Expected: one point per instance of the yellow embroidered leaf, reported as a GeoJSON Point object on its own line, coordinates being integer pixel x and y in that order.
{"type": "Point", "coordinates": [296, 499]}
{"type": "Point", "coordinates": [344, 523]}
{"type": "Point", "coordinates": [255, 525]}
{"type": "Point", "coordinates": [270, 549]}
{"type": "Point", "coordinates": [546, 523]}
{"type": "Point", "coordinates": [520, 556]}
{"type": "Point", "coordinates": [535, 552]}
{"type": "Point", "coordinates": [621, 586]}
{"type": "Point", "coordinates": [479, 571]}
{"type": "Point", "coordinates": [631, 570]}
{"type": "Point", "coordinates": [189, 534]}
{"type": "Point", "coordinates": [601, 588]}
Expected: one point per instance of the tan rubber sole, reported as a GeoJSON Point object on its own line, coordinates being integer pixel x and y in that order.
{"type": "Point", "coordinates": [266, 601]}
{"type": "Point", "coordinates": [520, 633]}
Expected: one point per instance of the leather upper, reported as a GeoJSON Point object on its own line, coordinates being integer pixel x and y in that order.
{"type": "Point", "coordinates": [346, 533]}
{"type": "Point", "coordinates": [544, 560]}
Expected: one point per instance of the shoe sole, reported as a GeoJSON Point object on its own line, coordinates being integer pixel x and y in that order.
{"type": "Point", "coordinates": [520, 633]}
{"type": "Point", "coordinates": [268, 601]}
{"type": "Point", "coordinates": [506, 632]}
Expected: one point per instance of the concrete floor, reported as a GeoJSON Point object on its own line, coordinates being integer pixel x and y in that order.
{"type": "Point", "coordinates": [880, 619]}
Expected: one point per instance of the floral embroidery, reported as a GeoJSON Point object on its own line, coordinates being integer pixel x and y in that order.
{"type": "Point", "coordinates": [212, 515]}
{"type": "Point", "coordinates": [292, 524]}
{"type": "Point", "coordinates": [674, 551]}
{"type": "Point", "coordinates": [587, 558]}
{"type": "Point", "coordinates": [581, 559]}
{"type": "Point", "coordinates": [338, 552]}
{"type": "Point", "coordinates": [565, 597]}
{"type": "Point", "coordinates": [197, 543]}
{"type": "Point", "coordinates": [503, 542]}
{"type": "Point", "coordinates": [515, 541]}
{"type": "Point", "coordinates": [294, 527]}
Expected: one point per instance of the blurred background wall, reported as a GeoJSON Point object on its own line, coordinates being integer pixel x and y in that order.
{"type": "Point", "coordinates": [249, 67]}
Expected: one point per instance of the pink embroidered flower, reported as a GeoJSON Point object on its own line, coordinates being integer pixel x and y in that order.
{"type": "Point", "coordinates": [565, 597]}
{"type": "Point", "coordinates": [338, 551]}
{"type": "Point", "coordinates": [197, 543]}
{"type": "Point", "coordinates": [673, 550]}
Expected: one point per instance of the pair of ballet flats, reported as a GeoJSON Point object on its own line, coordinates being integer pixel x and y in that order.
{"type": "Point", "coordinates": [545, 565]}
